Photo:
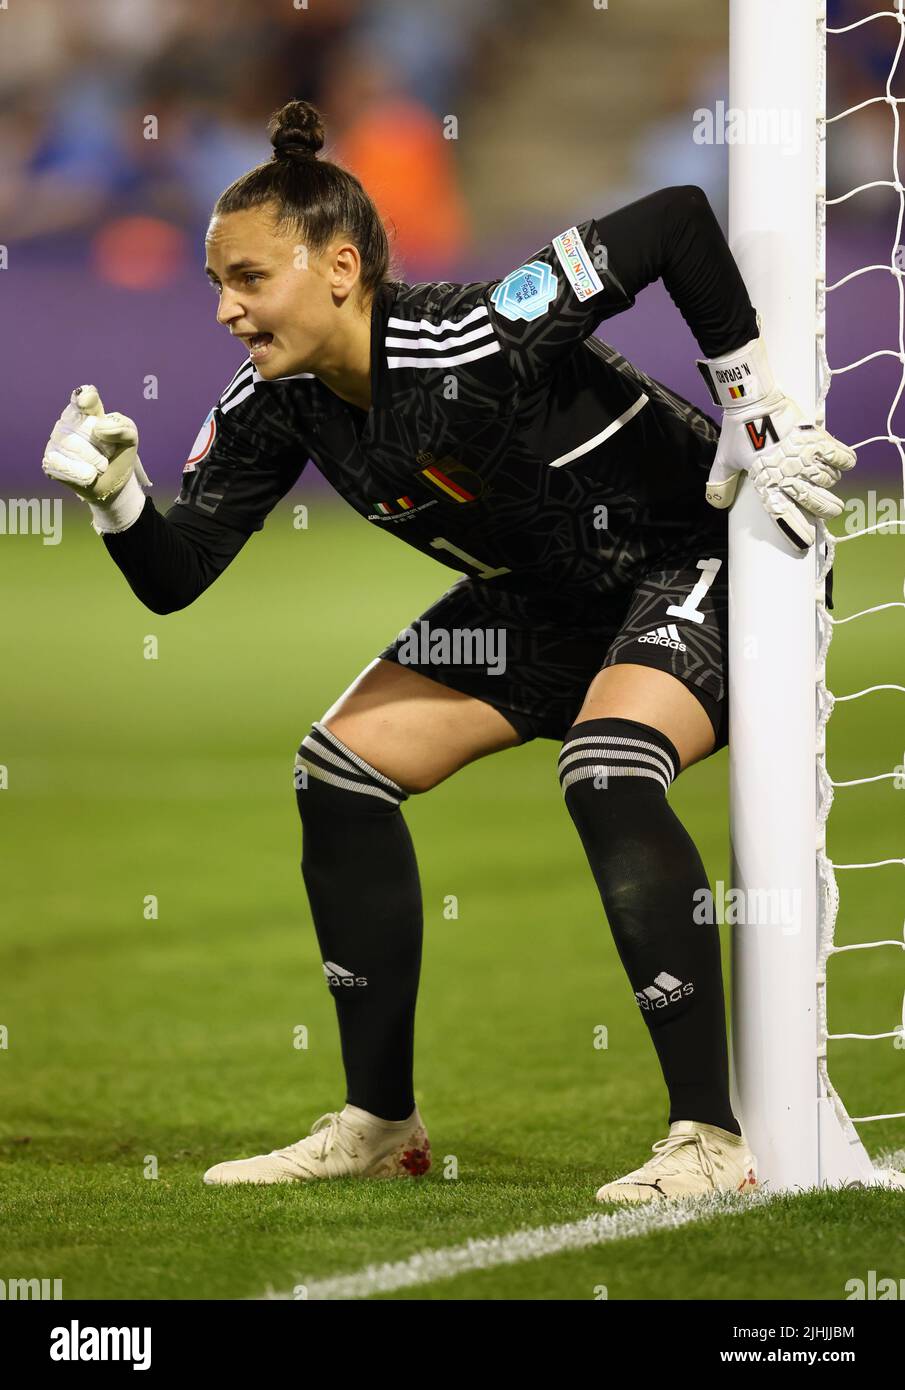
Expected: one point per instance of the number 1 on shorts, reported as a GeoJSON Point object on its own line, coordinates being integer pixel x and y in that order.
{"type": "Point", "coordinates": [689, 609]}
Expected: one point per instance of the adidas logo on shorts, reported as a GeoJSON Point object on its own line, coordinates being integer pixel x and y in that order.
{"type": "Point", "coordinates": [666, 989]}
{"type": "Point", "coordinates": [665, 637]}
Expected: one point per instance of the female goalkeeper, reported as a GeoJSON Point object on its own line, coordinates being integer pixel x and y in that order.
{"type": "Point", "coordinates": [484, 425]}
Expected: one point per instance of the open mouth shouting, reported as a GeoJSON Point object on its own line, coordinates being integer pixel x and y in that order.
{"type": "Point", "coordinates": [259, 345]}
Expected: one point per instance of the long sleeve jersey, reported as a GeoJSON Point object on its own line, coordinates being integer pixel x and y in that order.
{"type": "Point", "coordinates": [499, 425]}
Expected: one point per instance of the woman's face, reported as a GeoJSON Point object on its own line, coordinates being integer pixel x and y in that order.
{"type": "Point", "coordinates": [279, 299]}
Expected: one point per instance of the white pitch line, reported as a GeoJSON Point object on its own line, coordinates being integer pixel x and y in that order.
{"type": "Point", "coordinates": [535, 1243]}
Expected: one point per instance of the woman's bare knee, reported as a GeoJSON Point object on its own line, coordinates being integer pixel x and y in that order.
{"type": "Point", "coordinates": [413, 729]}
{"type": "Point", "coordinates": [654, 697]}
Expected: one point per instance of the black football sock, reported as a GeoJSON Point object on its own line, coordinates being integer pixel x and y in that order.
{"type": "Point", "coordinates": [615, 774]}
{"type": "Point", "coordinates": [360, 871]}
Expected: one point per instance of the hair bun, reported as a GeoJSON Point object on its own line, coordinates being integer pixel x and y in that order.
{"type": "Point", "coordinates": [296, 131]}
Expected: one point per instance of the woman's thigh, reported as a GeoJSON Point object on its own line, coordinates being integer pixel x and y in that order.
{"type": "Point", "coordinates": [412, 728]}
{"type": "Point", "coordinates": [654, 697]}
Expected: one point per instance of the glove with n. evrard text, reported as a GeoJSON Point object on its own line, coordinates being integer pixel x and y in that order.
{"type": "Point", "coordinates": [791, 462]}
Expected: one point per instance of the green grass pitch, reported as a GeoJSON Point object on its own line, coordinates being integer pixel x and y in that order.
{"type": "Point", "coordinates": [169, 1042]}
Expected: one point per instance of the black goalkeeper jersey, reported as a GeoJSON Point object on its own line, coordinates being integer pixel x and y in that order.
{"type": "Point", "coordinates": [503, 439]}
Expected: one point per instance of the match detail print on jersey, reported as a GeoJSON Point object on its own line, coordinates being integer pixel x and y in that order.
{"type": "Point", "coordinates": [404, 504]}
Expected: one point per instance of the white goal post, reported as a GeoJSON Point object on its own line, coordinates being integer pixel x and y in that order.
{"type": "Point", "coordinates": [793, 1119]}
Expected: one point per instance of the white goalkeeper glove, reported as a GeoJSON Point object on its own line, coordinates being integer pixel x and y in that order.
{"type": "Point", "coordinates": [790, 461]}
{"type": "Point", "coordinates": [96, 454]}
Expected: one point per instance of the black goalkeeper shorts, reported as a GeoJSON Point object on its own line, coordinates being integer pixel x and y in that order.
{"type": "Point", "coordinates": [546, 650]}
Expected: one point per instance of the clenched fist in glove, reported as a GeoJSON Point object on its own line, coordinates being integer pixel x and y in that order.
{"type": "Point", "coordinates": [791, 462]}
{"type": "Point", "coordinates": [96, 454]}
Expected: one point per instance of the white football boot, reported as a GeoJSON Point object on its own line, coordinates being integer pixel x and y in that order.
{"type": "Point", "coordinates": [694, 1160]}
{"type": "Point", "coordinates": [349, 1143]}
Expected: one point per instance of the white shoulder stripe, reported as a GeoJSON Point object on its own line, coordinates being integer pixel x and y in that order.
{"type": "Point", "coordinates": [445, 326]}
{"type": "Point", "coordinates": [241, 376]}
{"type": "Point", "coordinates": [452, 361]}
{"type": "Point", "coordinates": [242, 395]}
{"type": "Point", "coordinates": [242, 371]}
{"type": "Point", "coordinates": [441, 344]}
{"type": "Point", "coordinates": [244, 382]}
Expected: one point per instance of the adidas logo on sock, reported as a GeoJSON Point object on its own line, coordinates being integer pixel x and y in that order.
{"type": "Point", "coordinates": [337, 978]}
{"type": "Point", "coordinates": [666, 989]}
{"type": "Point", "coordinates": [665, 637]}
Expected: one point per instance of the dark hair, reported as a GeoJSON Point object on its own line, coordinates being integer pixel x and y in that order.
{"type": "Point", "coordinates": [313, 196]}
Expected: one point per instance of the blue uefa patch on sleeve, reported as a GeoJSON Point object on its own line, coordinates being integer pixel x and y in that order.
{"type": "Point", "coordinates": [526, 293]}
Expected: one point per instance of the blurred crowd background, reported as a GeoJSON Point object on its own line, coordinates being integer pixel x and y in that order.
{"type": "Point", "coordinates": [557, 113]}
